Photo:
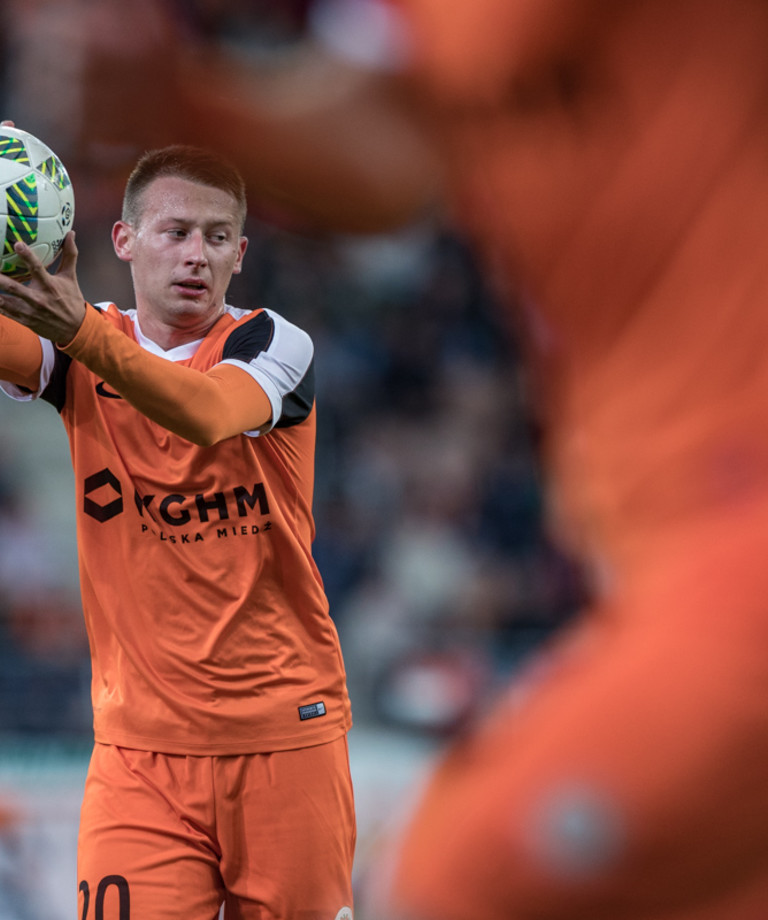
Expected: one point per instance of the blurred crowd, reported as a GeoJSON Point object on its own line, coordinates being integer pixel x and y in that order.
{"type": "Point", "coordinates": [431, 533]}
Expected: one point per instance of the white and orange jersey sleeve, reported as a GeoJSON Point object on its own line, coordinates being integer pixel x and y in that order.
{"type": "Point", "coordinates": [206, 407]}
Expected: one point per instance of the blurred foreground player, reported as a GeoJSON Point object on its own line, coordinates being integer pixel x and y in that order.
{"type": "Point", "coordinates": [612, 161]}
{"type": "Point", "coordinates": [220, 770]}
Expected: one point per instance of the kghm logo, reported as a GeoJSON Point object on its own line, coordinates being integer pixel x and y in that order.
{"type": "Point", "coordinates": [110, 502]}
{"type": "Point", "coordinates": [170, 516]}
{"type": "Point", "coordinates": [177, 510]}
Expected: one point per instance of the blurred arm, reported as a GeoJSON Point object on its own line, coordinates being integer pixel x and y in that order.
{"type": "Point", "coordinates": [320, 140]}
{"type": "Point", "coordinates": [335, 144]}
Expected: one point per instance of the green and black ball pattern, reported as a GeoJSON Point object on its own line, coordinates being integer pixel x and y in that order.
{"type": "Point", "coordinates": [21, 199]}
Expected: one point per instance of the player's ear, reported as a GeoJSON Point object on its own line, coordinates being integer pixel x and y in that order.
{"type": "Point", "coordinates": [242, 245]}
{"type": "Point", "coordinates": [122, 237]}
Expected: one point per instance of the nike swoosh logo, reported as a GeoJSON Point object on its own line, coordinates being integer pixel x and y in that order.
{"type": "Point", "coordinates": [101, 389]}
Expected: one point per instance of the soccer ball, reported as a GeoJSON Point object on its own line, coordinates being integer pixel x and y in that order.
{"type": "Point", "coordinates": [37, 202]}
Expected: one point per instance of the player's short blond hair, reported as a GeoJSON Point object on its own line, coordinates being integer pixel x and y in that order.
{"type": "Point", "coordinates": [185, 162]}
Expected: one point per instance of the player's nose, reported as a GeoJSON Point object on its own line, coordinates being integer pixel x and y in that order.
{"type": "Point", "coordinates": [195, 252]}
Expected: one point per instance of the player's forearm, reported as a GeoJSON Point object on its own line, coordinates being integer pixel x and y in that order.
{"type": "Point", "coordinates": [20, 355]}
{"type": "Point", "coordinates": [203, 408]}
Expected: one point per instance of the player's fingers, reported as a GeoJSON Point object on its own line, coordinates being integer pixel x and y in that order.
{"type": "Point", "coordinates": [11, 287]}
{"type": "Point", "coordinates": [69, 253]}
{"type": "Point", "coordinates": [35, 266]}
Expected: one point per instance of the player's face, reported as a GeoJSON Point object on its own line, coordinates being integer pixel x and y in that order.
{"type": "Point", "coordinates": [183, 250]}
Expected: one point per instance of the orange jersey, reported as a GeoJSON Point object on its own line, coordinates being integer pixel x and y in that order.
{"type": "Point", "coordinates": [208, 623]}
{"type": "Point", "coordinates": [611, 158]}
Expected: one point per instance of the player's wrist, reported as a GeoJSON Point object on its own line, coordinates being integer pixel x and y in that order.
{"type": "Point", "coordinates": [72, 343]}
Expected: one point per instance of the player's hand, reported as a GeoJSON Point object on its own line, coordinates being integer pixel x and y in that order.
{"type": "Point", "coordinates": [49, 304]}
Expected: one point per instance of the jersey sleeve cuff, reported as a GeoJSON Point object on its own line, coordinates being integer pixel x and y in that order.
{"type": "Point", "coordinates": [80, 342]}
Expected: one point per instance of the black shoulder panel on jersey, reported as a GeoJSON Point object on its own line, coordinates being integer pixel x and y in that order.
{"type": "Point", "coordinates": [298, 403]}
{"type": "Point", "coordinates": [249, 340]}
{"type": "Point", "coordinates": [55, 392]}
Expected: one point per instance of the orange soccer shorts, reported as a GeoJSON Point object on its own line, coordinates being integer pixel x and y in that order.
{"type": "Point", "coordinates": [628, 779]}
{"type": "Point", "coordinates": [165, 837]}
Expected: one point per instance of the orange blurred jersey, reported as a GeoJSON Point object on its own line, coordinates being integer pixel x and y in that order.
{"type": "Point", "coordinates": [208, 623]}
{"type": "Point", "coordinates": [611, 159]}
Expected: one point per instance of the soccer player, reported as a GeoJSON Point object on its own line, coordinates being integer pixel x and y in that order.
{"type": "Point", "coordinates": [220, 768]}
{"type": "Point", "coordinates": [611, 160]}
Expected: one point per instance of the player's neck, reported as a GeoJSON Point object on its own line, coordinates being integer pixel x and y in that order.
{"type": "Point", "coordinates": [179, 330]}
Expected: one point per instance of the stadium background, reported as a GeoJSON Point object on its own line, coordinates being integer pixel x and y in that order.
{"type": "Point", "coordinates": [428, 505]}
